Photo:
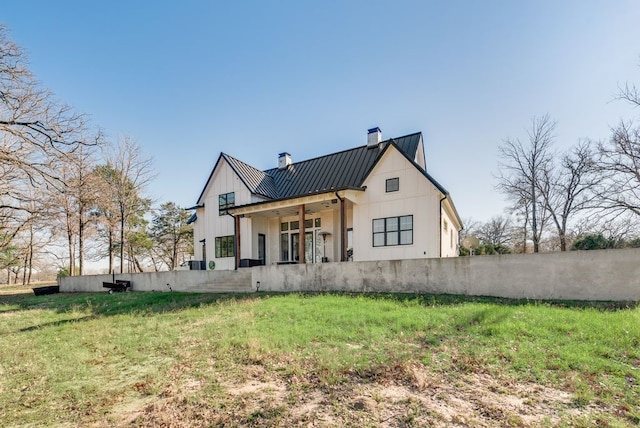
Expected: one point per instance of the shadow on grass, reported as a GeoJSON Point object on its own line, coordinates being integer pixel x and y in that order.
{"type": "Point", "coordinates": [58, 323]}
{"type": "Point", "coordinates": [457, 299]}
{"type": "Point", "coordinates": [105, 304]}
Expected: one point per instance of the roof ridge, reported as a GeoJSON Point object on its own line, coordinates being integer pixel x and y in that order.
{"type": "Point", "coordinates": [244, 163]}
{"type": "Point", "coordinates": [387, 141]}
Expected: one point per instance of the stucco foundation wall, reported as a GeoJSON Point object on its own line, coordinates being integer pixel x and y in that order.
{"type": "Point", "coordinates": [580, 275]}
{"type": "Point", "coordinates": [189, 281]}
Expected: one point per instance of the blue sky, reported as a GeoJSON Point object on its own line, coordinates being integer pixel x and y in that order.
{"type": "Point", "coordinates": [189, 79]}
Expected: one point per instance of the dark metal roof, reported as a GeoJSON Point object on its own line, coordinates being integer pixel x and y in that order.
{"type": "Point", "coordinates": [257, 181]}
{"type": "Point", "coordinates": [341, 170]}
{"type": "Point", "coordinates": [336, 171]}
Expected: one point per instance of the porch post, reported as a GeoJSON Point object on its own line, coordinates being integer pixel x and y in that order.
{"type": "Point", "coordinates": [343, 229]}
{"type": "Point", "coordinates": [301, 229]}
{"type": "Point", "coordinates": [237, 239]}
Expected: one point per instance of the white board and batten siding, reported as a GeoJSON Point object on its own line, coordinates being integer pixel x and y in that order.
{"type": "Point", "coordinates": [416, 196]}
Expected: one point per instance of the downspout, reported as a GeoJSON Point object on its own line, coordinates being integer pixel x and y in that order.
{"type": "Point", "coordinates": [440, 226]}
{"type": "Point", "coordinates": [342, 228]}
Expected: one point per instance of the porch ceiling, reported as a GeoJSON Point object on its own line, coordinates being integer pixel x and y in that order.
{"type": "Point", "coordinates": [289, 207]}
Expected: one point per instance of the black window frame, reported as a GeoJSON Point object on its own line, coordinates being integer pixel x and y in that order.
{"type": "Point", "coordinates": [391, 228]}
{"type": "Point", "coordinates": [392, 184]}
{"type": "Point", "coordinates": [224, 204]}
{"type": "Point", "coordinates": [225, 246]}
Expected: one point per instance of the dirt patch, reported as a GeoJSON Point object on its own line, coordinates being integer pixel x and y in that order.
{"type": "Point", "coordinates": [410, 396]}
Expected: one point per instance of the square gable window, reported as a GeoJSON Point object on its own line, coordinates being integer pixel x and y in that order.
{"type": "Point", "coordinates": [392, 184]}
{"type": "Point", "coordinates": [226, 201]}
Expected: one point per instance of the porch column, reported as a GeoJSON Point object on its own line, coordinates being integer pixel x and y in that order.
{"type": "Point", "coordinates": [301, 243]}
{"type": "Point", "coordinates": [237, 239]}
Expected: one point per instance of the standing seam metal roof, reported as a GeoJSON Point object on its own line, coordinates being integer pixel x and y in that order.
{"type": "Point", "coordinates": [341, 170]}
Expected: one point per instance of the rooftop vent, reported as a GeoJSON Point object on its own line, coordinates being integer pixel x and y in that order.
{"type": "Point", "coordinates": [374, 137]}
{"type": "Point", "coordinates": [284, 160]}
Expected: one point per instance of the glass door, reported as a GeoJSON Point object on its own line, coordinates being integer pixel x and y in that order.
{"type": "Point", "coordinates": [262, 248]}
{"type": "Point", "coordinates": [308, 247]}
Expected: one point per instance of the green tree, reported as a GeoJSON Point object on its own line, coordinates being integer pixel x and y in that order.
{"type": "Point", "coordinates": [138, 239]}
{"type": "Point", "coordinates": [172, 236]}
{"type": "Point", "coordinates": [593, 242]}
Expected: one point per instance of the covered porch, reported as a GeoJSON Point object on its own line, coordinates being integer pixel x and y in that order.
{"type": "Point", "coordinates": [310, 229]}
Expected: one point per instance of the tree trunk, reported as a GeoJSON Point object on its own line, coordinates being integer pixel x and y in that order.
{"type": "Point", "coordinates": [563, 240]}
{"type": "Point", "coordinates": [72, 256]}
{"type": "Point", "coordinates": [81, 241]}
{"type": "Point", "coordinates": [111, 269]}
{"type": "Point", "coordinates": [121, 242]}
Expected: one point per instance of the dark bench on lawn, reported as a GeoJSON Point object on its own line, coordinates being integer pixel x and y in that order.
{"type": "Point", "coordinates": [117, 285]}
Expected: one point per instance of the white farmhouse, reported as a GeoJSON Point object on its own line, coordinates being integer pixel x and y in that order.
{"type": "Point", "coordinates": [373, 202]}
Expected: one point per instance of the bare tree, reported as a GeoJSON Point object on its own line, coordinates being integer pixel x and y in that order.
{"type": "Point", "coordinates": [567, 189]}
{"type": "Point", "coordinates": [37, 132]}
{"type": "Point", "coordinates": [498, 231]}
{"type": "Point", "coordinates": [619, 167]}
{"type": "Point", "coordinates": [75, 203]}
{"type": "Point", "coordinates": [521, 169]}
{"type": "Point", "coordinates": [619, 162]}
{"type": "Point", "coordinates": [38, 129]}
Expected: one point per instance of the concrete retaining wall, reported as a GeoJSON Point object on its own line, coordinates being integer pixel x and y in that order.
{"type": "Point", "coordinates": [577, 275]}
{"type": "Point", "coordinates": [187, 280]}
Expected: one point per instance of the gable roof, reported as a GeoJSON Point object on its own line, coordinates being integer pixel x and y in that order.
{"type": "Point", "coordinates": [341, 170]}
{"type": "Point", "coordinates": [346, 169]}
{"type": "Point", "coordinates": [258, 182]}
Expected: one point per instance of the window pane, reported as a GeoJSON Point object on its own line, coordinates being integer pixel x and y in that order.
{"type": "Point", "coordinates": [392, 238]}
{"type": "Point", "coordinates": [392, 224]}
{"type": "Point", "coordinates": [284, 227]}
{"type": "Point", "coordinates": [284, 247]}
{"type": "Point", "coordinates": [406, 222]}
{"type": "Point", "coordinates": [223, 247]}
{"type": "Point", "coordinates": [392, 184]}
{"type": "Point", "coordinates": [378, 225]}
{"type": "Point", "coordinates": [406, 237]}
{"type": "Point", "coordinates": [218, 249]}
{"type": "Point", "coordinates": [308, 223]}
{"type": "Point", "coordinates": [222, 200]}
{"type": "Point", "coordinates": [295, 246]}
{"type": "Point", "coordinates": [378, 239]}
{"type": "Point", "coordinates": [295, 225]}
{"type": "Point", "coordinates": [231, 199]}
{"type": "Point", "coordinates": [318, 223]}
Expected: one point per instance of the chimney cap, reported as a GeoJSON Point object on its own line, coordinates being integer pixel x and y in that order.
{"type": "Point", "coordinates": [284, 154]}
{"type": "Point", "coordinates": [372, 130]}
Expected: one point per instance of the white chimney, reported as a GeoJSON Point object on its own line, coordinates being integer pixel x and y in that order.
{"type": "Point", "coordinates": [284, 160]}
{"type": "Point", "coordinates": [374, 137]}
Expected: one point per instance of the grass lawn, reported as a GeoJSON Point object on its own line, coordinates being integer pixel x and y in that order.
{"type": "Point", "coordinates": [179, 360]}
